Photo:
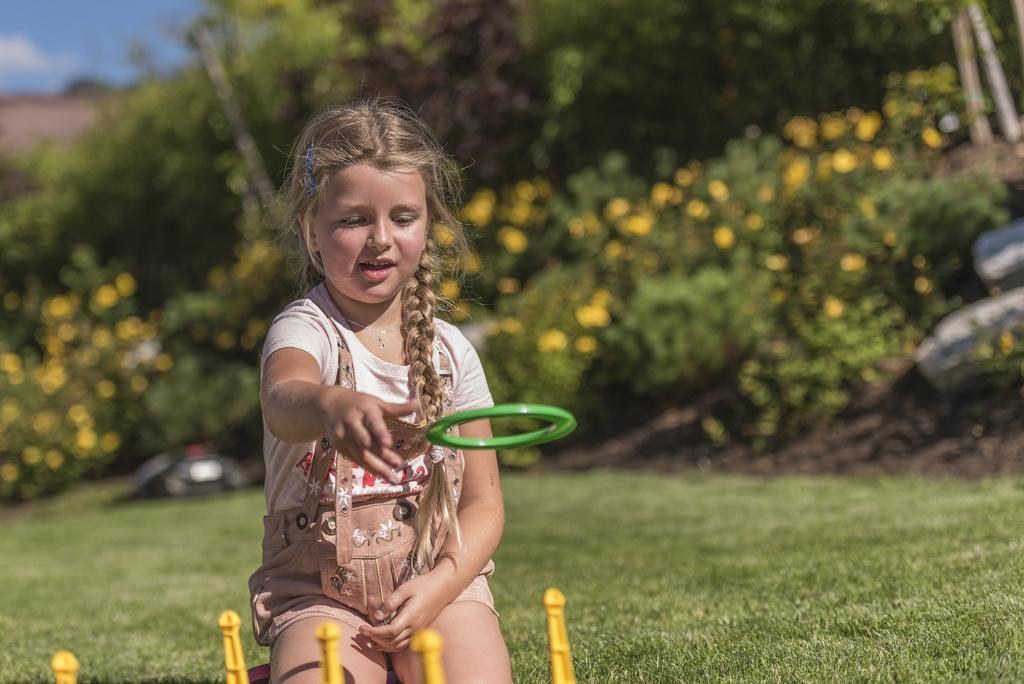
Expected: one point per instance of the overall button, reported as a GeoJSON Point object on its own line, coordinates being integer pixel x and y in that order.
{"type": "Point", "coordinates": [329, 526]}
{"type": "Point", "coordinates": [403, 510]}
{"type": "Point", "coordinates": [302, 521]}
{"type": "Point", "coordinates": [456, 482]}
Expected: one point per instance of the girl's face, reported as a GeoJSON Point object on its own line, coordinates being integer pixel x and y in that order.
{"type": "Point", "coordinates": [370, 231]}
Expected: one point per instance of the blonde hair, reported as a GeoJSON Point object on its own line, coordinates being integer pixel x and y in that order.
{"type": "Point", "coordinates": [387, 135]}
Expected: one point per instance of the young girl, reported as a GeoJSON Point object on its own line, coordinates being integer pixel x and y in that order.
{"type": "Point", "coordinates": [367, 524]}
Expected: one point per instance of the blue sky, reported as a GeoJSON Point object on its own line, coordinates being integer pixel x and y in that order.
{"type": "Point", "coordinates": [45, 43]}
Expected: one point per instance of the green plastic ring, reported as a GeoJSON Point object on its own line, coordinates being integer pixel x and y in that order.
{"type": "Point", "coordinates": [562, 423]}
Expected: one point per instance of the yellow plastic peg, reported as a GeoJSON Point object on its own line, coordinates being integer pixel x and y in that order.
{"type": "Point", "coordinates": [428, 643]}
{"type": "Point", "coordinates": [558, 638]}
{"type": "Point", "coordinates": [329, 634]}
{"type": "Point", "coordinates": [65, 667]}
{"type": "Point", "coordinates": [234, 661]}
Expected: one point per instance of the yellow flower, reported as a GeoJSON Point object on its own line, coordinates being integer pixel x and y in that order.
{"type": "Point", "coordinates": [138, 383]}
{"type": "Point", "coordinates": [867, 126]}
{"type": "Point", "coordinates": [592, 316]}
{"type": "Point", "coordinates": [776, 262]}
{"type": "Point", "coordinates": [920, 261]}
{"type": "Point", "coordinates": [526, 191]}
{"type": "Point", "coordinates": [510, 326]}
{"type": "Point", "coordinates": [601, 296]}
{"type": "Point", "coordinates": [54, 459]}
{"type": "Point", "coordinates": [1006, 342]}
{"type": "Point", "coordinates": [79, 415]}
{"type": "Point", "coordinates": [444, 235]}
{"type": "Point", "coordinates": [224, 340]}
{"type": "Point", "coordinates": [724, 237]}
{"type": "Point", "coordinates": [852, 262]}
{"type": "Point", "coordinates": [922, 284]}
{"type": "Point", "coordinates": [66, 332]}
{"type": "Point", "coordinates": [472, 263]}
{"type": "Point", "coordinates": [125, 284]}
{"type": "Point", "coordinates": [802, 131]}
{"type": "Point", "coordinates": [684, 177]}
{"type": "Point", "coordinates": [12, 301]}
{"type": "Point", "coordinates": [697, 209]}
{"type": "Point", "coordinates": [833, 307]}
{"type": "Point", "coordinates": [616, 208]}
{"type": "Point", "coordinates": [163, 362]}
{"type": "Point", "coordinates": [552, 340]}
{"type": "Point", "coordinates": [718, 190]}
{"type": "Point", "coordinates": [891, 108]}
{"type": "Point", "coordinates": [105, 389]}
{"type": "Point", "coordinates": [802, 236]}
{"type": "Point", "coordinates": [507, 286]}
{"type": "Point", "coordinates": [638, 224]}
{"type": "Point", "coordinates": [843, 161]}
{"type": "Point", "coordinates": [931, 137]}
{"type": "Point", "coordinates": [450, 289]}
{"type": "Point", "coordinates": [10, 362]}
{"type": "Point", "coordinates": [824, 167]}
{"type": "Point", "coordinates": [833, 126]}
{"type": "Point", "coordinates": [765, 194]}
{"type": "Point", "coordinates": [613, 249]}
{"type": "Point", "coordinates": [661, 193]}
{"type": "Point", "coordinates": [31, 455]}
{"type": "Point", "coordinates": [576, 227]}
{"type": "Point", "coordinates": [889, 238]}
{"type": "Point", "coordinates": [110, 441]}
{"type": "Point", "coordinates": [586, 344]}
{"type": "Point", "coordinates": [10, 410]}
{"type": "Point", "coordinates": [513, 240]}
{"type": "Point", "coordinates": [105, 297]}
{"type": "Point", "coordinates": [796, 173]}
{"type": "Point", "coordinates": [480, 209]}
{"type": "Point", "coordinates": [868, 208]}
{"type": "Point", "coordinates": [59, 306]}
{"type": "Point", "coordinates": [9, 472]}
{"type": "Point", "coordinates": [85, 439]}
{"type": "Point", "coordinates": [882, 159]}
{"type": "Point", "coordinates": [754, 222]}
{"type": "Point", "coordinates": [778, 295]}
{"type": "Point", "coordinates": [128, 329]}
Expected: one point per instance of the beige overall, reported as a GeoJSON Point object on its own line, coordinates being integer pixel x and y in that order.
{"type": "Point", "coordinates": [335, 561]}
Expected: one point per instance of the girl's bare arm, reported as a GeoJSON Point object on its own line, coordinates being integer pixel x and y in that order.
{"type": "Point", "coordinates": [481, 514]}
{"type": "Point", "coordinates": [297, 408]}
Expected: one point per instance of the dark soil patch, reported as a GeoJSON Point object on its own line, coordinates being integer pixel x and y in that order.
{"type": "Point", "coordinates": [900, 428]}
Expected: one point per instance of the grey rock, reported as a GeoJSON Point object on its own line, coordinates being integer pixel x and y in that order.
{"type": "Point", "coordinates": [944, 356]}
{"type": "Point", "coordinates": [999, 257]}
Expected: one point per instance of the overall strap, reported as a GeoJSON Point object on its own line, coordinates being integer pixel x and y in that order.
{"type": "Point", "coordinates": [324, 455]}
{"type": "Point", "coordinates": [450, 455]}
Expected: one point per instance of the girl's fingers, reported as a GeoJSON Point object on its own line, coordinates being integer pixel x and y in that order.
{"type": "Point", "coordinates": [382, 446]}
{"type": "Point", "coordinates": [374, 422]}
{"type": "Point", "coordinates": [357, 431]}
{"type": "Point", "coordinates": [399, 410]}
{"type": "Point", "coordinates": [375, 464]}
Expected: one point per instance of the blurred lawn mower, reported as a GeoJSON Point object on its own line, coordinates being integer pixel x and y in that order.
{"type": "Point", "coordinates": [194, 470]}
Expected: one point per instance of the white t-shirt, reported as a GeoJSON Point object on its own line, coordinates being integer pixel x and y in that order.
{"type": "Point", "coordinates": [310, 324]}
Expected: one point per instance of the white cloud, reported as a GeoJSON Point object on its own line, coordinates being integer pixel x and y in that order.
{"type": "Point", "coordinates": [19, 55]}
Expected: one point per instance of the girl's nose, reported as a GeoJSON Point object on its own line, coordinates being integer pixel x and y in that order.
{"type": "Point", "coordinates": [380, 236]}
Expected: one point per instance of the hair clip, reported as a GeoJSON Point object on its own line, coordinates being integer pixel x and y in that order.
{"type": "Point", "coordinates": [310, 177]}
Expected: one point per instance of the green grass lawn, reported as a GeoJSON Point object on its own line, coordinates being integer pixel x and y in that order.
{"type": "Point", "coordinates": [668, 578]}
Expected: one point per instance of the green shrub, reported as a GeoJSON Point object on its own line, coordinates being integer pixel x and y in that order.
{"type": "Point", "coordinates": [680, 333]}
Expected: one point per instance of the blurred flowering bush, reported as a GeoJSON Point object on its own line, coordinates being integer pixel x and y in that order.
{"type": "Point", "coordinates": [789, 269]}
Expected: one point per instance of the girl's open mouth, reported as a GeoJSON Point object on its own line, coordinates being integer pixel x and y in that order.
{"type": "Point", "coordinates": [376, 269]}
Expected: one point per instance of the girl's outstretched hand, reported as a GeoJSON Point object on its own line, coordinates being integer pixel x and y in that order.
{"type": "Point", "coordinates": [417, 602]}
{"type": "Point", "coordinates": [354, 424]}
